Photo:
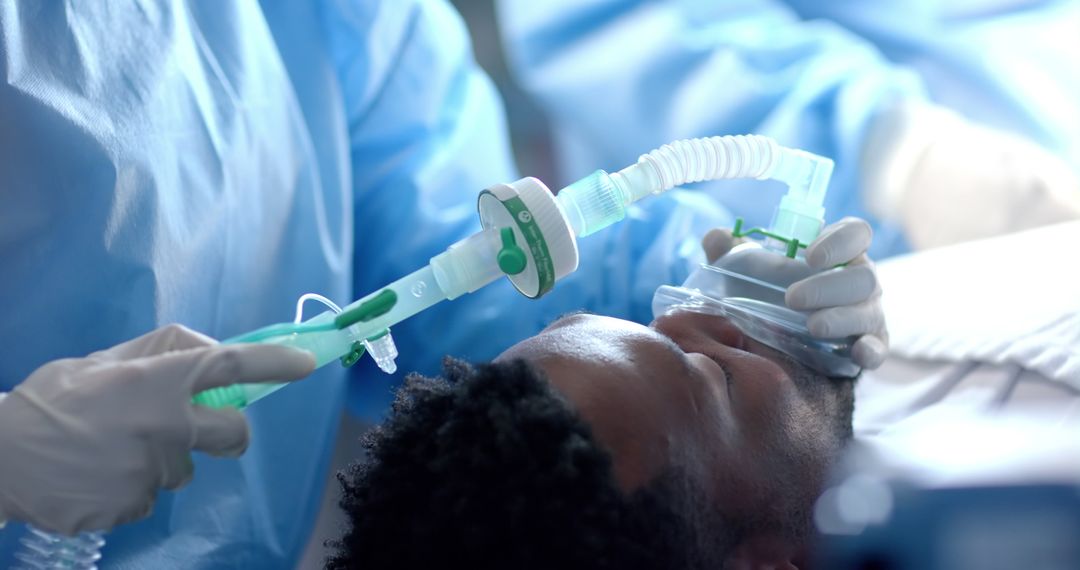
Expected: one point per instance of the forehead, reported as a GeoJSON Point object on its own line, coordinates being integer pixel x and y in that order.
{"type": "Point", "coordinates": [589, 358]}
{"type": "Point", "coordinates": [586, 337]}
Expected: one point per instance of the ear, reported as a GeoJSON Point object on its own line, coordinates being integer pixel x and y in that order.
{"type": "Point", "coordinates": [765, 552]}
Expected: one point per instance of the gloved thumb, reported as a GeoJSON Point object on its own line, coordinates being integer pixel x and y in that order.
{"type": "Point", "coordinates": [841, 242]}
{"type": "Point", "coordinates": [219, 432]}
{"type": "Point", "coordinates": [717, 243]}
{"type": "Point", "coordinates": [869, 351]}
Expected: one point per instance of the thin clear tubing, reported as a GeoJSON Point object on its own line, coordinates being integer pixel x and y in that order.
{"type": "Point", "coordinates": [415, 292]}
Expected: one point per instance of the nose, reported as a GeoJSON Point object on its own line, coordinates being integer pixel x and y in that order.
{"type": "Point", "coordinates": [692, 330]}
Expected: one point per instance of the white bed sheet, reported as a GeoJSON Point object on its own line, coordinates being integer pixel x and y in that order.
{"type": "Point", "coordinates": [1013, 299]}
{"type": "Point", "coordinates": [989, 327]}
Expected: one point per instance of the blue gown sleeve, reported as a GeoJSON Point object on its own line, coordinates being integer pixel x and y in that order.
{"type": "Point", "coordinates": [1007, 64]}
{"type": "Point", "coordinates": [619, 77]}
{"type": "Point", "coordinates": [427, 133]}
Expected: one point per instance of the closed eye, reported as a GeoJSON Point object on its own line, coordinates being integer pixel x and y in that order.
{"type": "Point", "coordinates": [678, 351]}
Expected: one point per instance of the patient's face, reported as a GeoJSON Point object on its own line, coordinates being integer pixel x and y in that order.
{"type": "Point", "coordinates": [689, 391]}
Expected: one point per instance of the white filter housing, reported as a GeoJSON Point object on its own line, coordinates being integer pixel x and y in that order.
{"type": "Point", "coordinates": [540, 229]}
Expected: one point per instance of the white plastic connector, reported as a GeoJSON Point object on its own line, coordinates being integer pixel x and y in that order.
{"type": "Point", "coordinates": [468, 264]}
{"type": "Point", "coordinates": [801, 212]}
{"type": "Point", "coordinates": [541, 228]}
{"type": "Point", "coordinates": [592, 203]}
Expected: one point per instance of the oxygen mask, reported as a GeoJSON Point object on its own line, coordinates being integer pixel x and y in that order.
{"type": "Point", "coordinates": [753, 300]}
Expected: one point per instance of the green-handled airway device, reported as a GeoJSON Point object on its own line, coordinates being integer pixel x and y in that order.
{"type": "Point", "coordinates": [326, 336]}
{"type": "Point", "coordinates": [529, 235]}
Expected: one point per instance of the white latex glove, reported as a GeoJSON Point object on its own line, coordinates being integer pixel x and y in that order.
{"type": "Point", "coordinates": [85, 443]}
{"type": "Point", "coordinates": [842, 301]}
{"type": "Point", "coordinates": [947, 180]}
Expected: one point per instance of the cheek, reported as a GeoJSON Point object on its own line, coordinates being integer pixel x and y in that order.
{"type": "Point", "coordinates": [708, 410]}
{"type": "Point", "coordinates": [761, 392]}
{"type": "Point", "coordinates": [748, 464]}
{"type": "Point", "coordinates": [709, 447]}
{"type": "Point", "coordinates": [631, 418]}
{"type": "Point", "coordinates": [674, 417]}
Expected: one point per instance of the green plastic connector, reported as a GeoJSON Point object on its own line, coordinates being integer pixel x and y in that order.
{"type": "Point", "coordinates": [232, 396]}
{"type": "Point", "coordinates": [793, 245]}
{"type": "Point", "coordinates": [357, 350]}
{"type": "Point", "coordinates": [511, 258]}
{"type": "Point", "coordinates": [377, 306]}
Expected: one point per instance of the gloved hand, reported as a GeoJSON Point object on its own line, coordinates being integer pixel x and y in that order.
{"type": "Point", "coordinates": [87, 442]}
{"type": "Point", "coordinates": [946, 179]}
{"type": "Point", "coordinates": [843, 301]}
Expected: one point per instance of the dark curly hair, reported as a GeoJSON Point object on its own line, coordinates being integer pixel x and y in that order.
{"type": "Point", "coordinates": [488, 467]}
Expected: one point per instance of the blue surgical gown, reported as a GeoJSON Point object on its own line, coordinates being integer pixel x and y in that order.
{"type": "Point", "coordinates": [207, 162]}
{"type": "Point", "coordinates": [620, 76]}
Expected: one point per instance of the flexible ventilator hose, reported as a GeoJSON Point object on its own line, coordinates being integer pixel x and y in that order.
{"type": "Point", "coordinates": [601, 199]}
{"type": "Point", "coordinates": [713, 158]}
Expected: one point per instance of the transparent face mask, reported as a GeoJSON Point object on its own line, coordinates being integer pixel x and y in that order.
{"type": "Point", "coordinates": [757, 308]}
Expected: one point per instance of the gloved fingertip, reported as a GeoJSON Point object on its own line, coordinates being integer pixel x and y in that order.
{"type": "Point", "coordinates": [305, 361]}
{"type": "Point", "coordinates": [228, 452]}
{"type": "Point", "coordinates": [185, 471]}
{"type": "Point", "coordinates": [796, 298]}
{"type": "Point", "coordinates": [134, 512]}
{"type": "Point", "coordinates": [290, 362]}
{"type": "Point", "coordinates": [817, 257]}
{"type": "Point", "coordinates": [237, 450]}
{"type": "Point", "coordinates": [220, 432]}
{"type": "Point", "coordinates": [717, 243]}
{"type": "Point", "coordinates": [839, 243]}
{"type": "Point", "coordinates": [859, 223]}
{"type": "Point", "coordinates": [295, 363]}
{"type": "Point", "coordinates": [869, 352]}
{"type": "Point", "coordinates": [819, 325]}
{"type": "Point", "coordinates": [95, 520]}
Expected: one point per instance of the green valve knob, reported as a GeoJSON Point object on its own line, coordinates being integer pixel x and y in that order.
{"type": "Point", "coordinates": [511, 258]}
{"type": "Point", "coordinates": [355, 352]}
